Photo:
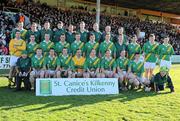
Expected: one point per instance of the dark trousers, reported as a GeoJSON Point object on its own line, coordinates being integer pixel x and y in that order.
{"type": "Point", "coordinates": [25, 80]}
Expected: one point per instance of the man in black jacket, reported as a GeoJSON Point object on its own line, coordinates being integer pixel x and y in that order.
{"type": "Point", "coordinates": [23, 69]}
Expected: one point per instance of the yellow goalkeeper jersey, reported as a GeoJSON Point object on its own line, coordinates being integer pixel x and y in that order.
{"type": "Point", "coordinates": [78, 62]}
{"type": "Point", "coordinates": [16, 47]}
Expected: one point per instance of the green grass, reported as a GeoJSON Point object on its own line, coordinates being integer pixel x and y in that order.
{"type": "Point", "coordinates": [130, 105]}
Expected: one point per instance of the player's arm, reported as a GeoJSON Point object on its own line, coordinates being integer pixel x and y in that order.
{"type": "Point", "coordinates": [12, 47]}
{"type": "Point", "coordinates": [98, 67]}
{"type": "Point", "coordinates": [44, 64]}
{"type": "Point", "coordinates": [58, 64]}
{"type": "Point", "coordinates": [23, 46]}
{"type": "Point", "coordinates": [114, 51]}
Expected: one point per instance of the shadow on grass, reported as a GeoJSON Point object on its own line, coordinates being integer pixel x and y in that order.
{"type": "Point", "coordinates": [11, 100]}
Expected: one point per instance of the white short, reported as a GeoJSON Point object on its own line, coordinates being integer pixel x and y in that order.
{"type": "Point", "coordinates": [165, 63]}
{"type": "Point", "coordinates": [108, 72]}
{"type": "Point", "coordinates": [51, 72]}
{"type": "Point", "coordinates": [35, 73]}
{"type": "Point", "coordinates": [149, 65]}
{"type": "Point", "coordinates": [123, 73]}
{"type": "Point", "coordinates": [13, 60]}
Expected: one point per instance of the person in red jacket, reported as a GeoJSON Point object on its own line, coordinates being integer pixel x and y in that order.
{"type": "Point", "coordinates": [3, 49]}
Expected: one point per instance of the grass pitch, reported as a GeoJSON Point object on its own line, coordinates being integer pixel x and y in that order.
{"type": "Point", "coordinates": [131, 105]}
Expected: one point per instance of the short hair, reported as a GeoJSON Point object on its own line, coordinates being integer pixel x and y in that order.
{"type": "Point", "coordinates": [92, 34]}
{"type": "Point", "coordinates": [32, 34]}
{"type": "Point", "coordinates": [78, 49]}
{"type": "Point", "coordinates": [108, 50]}
{"type": "Point", "coordinates": [134, 35]}
{"type": "Point", "coordinates": [33, 23]}
{"type": "Point", "coordinates": [165, 36]}
{"type": "Point", "coordinates": [77, 33]}
{"type": "Point", "coordinates": [17, 31]}
{"type": "Point", "coordinates": [82, 22]}
{"type": "Point", "coordinates": [60, 22]}
{"type": "Point", "coordinates": [151, 35]}
{"type": "Point", "coordinates": [51, 48]}
{"type": "Point", "coordinates": [137, 53]}
{"type": "Point", "coordinates": [65, 48]}
{"type": "Point", "coordinates": [46, 22]}
{"type": "Point", "coordinates": [38, 48]}
{"type": "Point", "coordinates": [63, 34]}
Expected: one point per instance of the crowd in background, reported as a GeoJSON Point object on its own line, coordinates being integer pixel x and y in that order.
{"type": "Point", "coordinates": [42, 12]}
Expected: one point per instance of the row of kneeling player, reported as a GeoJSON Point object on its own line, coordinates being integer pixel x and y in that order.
{"type": "Point", "coordinates": [129, 73]}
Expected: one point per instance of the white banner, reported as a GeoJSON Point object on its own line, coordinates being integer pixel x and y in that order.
{"type": "Point", "coordinates": [5, 62]}
{"type": "Point", "coordinates": [76, 86]}
{"type": "Point", "coordinates": [175, 58]}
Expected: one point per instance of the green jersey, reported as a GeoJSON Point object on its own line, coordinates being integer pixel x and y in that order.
{"type": "Point", "coordinates": [46, 46]}
{"type": "Point", "coordinates": [75, 46]}
{"type": "Point", "coordinates": [124, 39]}
{"type": "Point", "coordinates": [57, 34]}
{"type": "Point", "coordinates": [51, 62]}
{"type": "Point", "coordinates": [119, 48]}
{"type": "Point", "coordinates": [92, 63]}
{"type": "Point", "coordinates": [84, 36]}
{"type": "Point", "coordinates": [59, 47]}
{"type": "Point", "coordinates": [31, 48]}
{"type": "Point", "coordinates": [97, 35]}
{"type": "Point", "coordinates": [104, 46]}
{"type": "Point", "coordinates": [89, 46]}
{"type": "Point", "coordinates": [65, 61]}
{"type": "Point", "coordinates": [22, 32]}
{"type": "Point", "coordinates": [37, 63]}
{"type": "Point", "coordinates": [70, 37]}
{"type": "Point", "coordinates": [132, 49]}
{"type": "Point", "coordinates": [137, 68]}
{"type": "Point", "coordinates": [36, 34]}
{"type": "Point", "coordinates": [108, 63]}
{"type": "Point", "coordinates": [123, 63]}
{"type": "Point", "coordinates": [150, 50]}
{"type": "Point", "coordinates": [165, 52]}
{"type": "Point", "coordinates": [48, 31]}
{"type": "Point", "coordinates": [104, 35]}
{"type": "Point", "coordinates": [78, 63]}
{"type": "Point", "coordinates": [24, 64]}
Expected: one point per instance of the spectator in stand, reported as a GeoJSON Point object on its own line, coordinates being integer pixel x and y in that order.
{"type": "Point", "coordinates": [3, 49]}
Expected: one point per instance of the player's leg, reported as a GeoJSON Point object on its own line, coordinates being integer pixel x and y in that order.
{"type": "Point", "coordinates": [152, 67]}
{"type": "Point", "coordinates": [52, 73]}
{"type": "Point", "coordinates": [13, 60]}
{"type": "Point", "coordinates": [27, 83]}
{"type": "Point", "coordinates": [102, 75]}
{"type": "Point", "coordinates": [47, 74]}
{"type": "Point", "coordinates": [147, 69]}
{"type": "Point", "coordinates": [120, 79]}
{"type": "Point", "coordinates": [86, 75]}
{"type": "Point", "coordinates": [133, 82]}
{"type": "Point", "coordinates": [93, 74]}
{"type": "Point", "coordinates": [32, 78]}
{"type": "Point", "coordinates": [18, 82]}
{"type": "Point", "coordinates": [58, 74]}
{"type": "Point", "coordinates": [41, 73]}
{"type": "Point", "coordinates": [69, 73]}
